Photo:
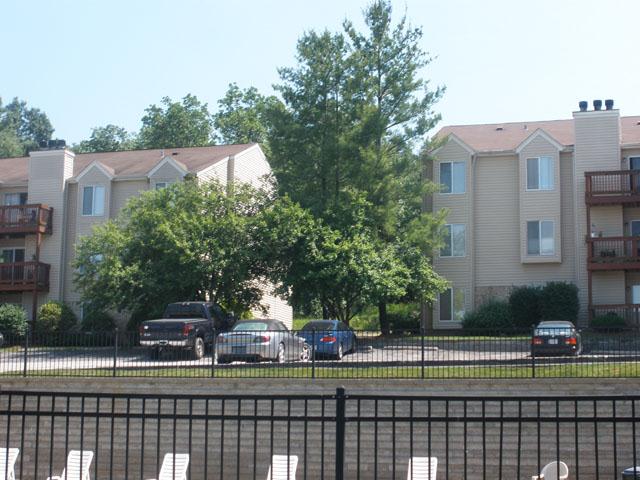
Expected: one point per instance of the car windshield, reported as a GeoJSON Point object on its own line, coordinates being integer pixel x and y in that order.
{"type": "Point", "coordinates": [184, 311]}
{"type": "Point", "coordinates": [319, 325]}
{"type": "Point", "coordinates": [553, 330]}
{"type": "Point", "coordinates": [250, 326]}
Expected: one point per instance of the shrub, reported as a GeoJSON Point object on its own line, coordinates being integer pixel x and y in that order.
{"type": "Point", "coordinates": [97, 321]}
{"type": "Point", "coordinates": [13, 320]}
{"type": "Point", "coordinates": [525, 306]}
{"type": "Point", "coordinates": [559, 301]}
{"type": "Point", "coordinates": [608, 321]}
{"type": "Point", "coordinates": [491, 318]}
{"type": "Point", "coordinates": [56, 318]}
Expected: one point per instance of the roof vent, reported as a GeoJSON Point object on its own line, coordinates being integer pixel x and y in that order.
{"type": "Point", "coordinates": [597, 105]}
{"type": "Point", "coordinates": [499, 129]}
{"type": "Point", "coordinates": [583, 105]}
{"type": "Point", "coordinates": [175, 153]}
{"type": "Point", "coordinates": [608, 104]}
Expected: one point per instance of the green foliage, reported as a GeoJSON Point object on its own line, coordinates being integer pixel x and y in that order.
{"type": "Point", "coordinates": [608, 321]}
{"type": "Point", "coordinates": [95, 320]}
{"type": "Point", "coordinates": [176, 124]}
{"type": "Point", "coordinates": [491, 318]}
{"type": "Point", "coordinates": [109, 138]}
{"type": "Point", "coordinates": [13, 320]}
{"type": "Point", "coordinates": [559, 301]}
{"type": "Point", "coordinates": [56, 317]}
{"type": "Point", "coordinates": [525, 306]}
{"type": "Point", "coordinates": [22, 128]}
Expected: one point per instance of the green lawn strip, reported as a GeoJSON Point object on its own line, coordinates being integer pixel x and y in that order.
{"type": "Point", "coordinates": [593, 370]}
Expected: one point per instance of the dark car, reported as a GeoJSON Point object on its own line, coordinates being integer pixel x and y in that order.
{"type": "Point", "coordinates": [556, 338]}
{"type": "Point", "coordinates": [330, 337]}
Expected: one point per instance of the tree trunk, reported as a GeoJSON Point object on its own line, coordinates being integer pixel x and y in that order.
{"type": "Point", "coordinates": [384, 320]}
{"type": "Point", "coordinates": [325, 312]}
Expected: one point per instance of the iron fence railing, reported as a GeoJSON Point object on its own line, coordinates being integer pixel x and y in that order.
{"type": "Point", "coordinates": [316, 355]}
{"type": "Point", "coordinates": [334, 436]}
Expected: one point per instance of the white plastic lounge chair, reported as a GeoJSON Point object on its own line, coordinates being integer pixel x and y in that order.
{"type": "Point", "coordinates": [77, 461]}
{"type": "Point", "coordinates": [278, 467]}
{"type": "Point", "coordinates": [167, 470]}
{"type": "Point", "coordinates": [422, 468]}
{"type": "Point", "coordinates": [550, 471]}
{"type": "Point", "coordinates": [8, 459]}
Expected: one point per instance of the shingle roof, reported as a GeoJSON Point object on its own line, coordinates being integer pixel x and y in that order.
{"type": "Point", "coordinates": [131, 162]}
{"type": "Point", "coordinates": [507, 136]}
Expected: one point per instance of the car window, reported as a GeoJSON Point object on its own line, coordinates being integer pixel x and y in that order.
{"type": "Point", "coordinates": [282, 326]}
{"type": "Point", "coordinates": [318, 325]}
{"type": "Point", "coordinates": [553, 331]}
{"type": "Point", "coordinates": [250, 326]}
{"type": "Point", "coordinates": [187, 310]}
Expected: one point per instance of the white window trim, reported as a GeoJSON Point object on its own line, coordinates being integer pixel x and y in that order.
{"type": "Point", "coordinates": [93, 201]}
{"type": "Point", "coordinates": [453, 312]}
{"type": "Point", "coordinates": [553, 174]}
{"type": "Point", "coordinates": [451, 236]}
{"type": "Point", "coordinates": [166, 184]}
{"type": "Point", "coordinates": [452, 182]}
{"type": "Point", "coordinates": [535, 255]}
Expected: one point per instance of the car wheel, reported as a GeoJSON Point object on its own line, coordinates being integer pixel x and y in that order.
{"type": "Point", "coordinates": [340, 352]}
{"type": "Point", "coordinates": [305, 354]}
{"type": "Point", "coordinates": [198, 348]}
{"type": "Point", "coordinates": [577, 351]}
{"type": "Point", "coordinates": [281, 353]}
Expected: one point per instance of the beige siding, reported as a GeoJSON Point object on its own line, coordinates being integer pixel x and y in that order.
{"type": "Point", "coordinates": [71, 295]}
{"type": "Point", "coordinates": [121, 191]}
{"type": "Point", "coordinates": [166, 173]}
{"type": "Point", "coordinates": [217, 172]}
{"type": "Point", "coordinates": [85, 223]}
{"type": "Point", "coordinates": [251, 166]}
{"type": "Point", "coordinates": [607, 220]}
{"type": "Point", "coordinates": [608, 288]}
{"type": "Point", "coordinates": [537, 205]}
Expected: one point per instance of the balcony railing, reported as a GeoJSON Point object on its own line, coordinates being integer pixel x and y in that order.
{"type": "Point", "coordinates": [613, 253]}
{"type": "Point", "coordinates": [24, 276]}
{"type": "Point", "coordinates": [612, 187]}
{"type": "Point", "coordinates": [628, 311]}
{"type": "Point", "coordinates": [25, 219]}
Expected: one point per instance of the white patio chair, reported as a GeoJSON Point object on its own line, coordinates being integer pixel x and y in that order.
{"type": "Point", "coordinates": [278, 467]}
{"type": "Point", "coordinates": [8, 457]}
{"type": "Point", "coordinates": [181, 465]}
{"type": "Point", "coordinates": [550, 471]}
{"type": "Point", "coordinates": [78, 463]}
{"type": "Point", "coordinates": [422, 468]}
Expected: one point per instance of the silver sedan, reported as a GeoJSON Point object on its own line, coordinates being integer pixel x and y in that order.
{"type": "Point", "coordinates": [255, 340]}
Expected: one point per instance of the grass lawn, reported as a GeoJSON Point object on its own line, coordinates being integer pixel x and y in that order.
{"type": "Point", "coordinates": [583, 370]}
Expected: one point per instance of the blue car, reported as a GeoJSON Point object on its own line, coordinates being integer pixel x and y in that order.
{"type": "Point", "coordinates": [331, 337]}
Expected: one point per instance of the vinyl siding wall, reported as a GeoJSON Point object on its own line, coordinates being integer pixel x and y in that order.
{"type": "Point", "coordinates": [166, 173]}
{"type": "Point", "coordinates": [217, 172]}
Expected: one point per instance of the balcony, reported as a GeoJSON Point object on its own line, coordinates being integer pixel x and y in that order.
{"type": "Point", "coordinates": [629, 311]}
{"type": "Point", "coordinates": [25, 219]}
{"type": "Point", "coordinates": [615, 187]}
{"type": "Point", "coordinates": [24, 277]}
{"type": "Point", "coordinates": [613, 253]}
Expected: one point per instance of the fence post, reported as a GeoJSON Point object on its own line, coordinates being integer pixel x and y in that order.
{"type": "Point", "coordinates": [422, 348]}
{"type": "Point", "coordinates": [213, 354]}
{"type": "Point", "coordinates": [533, 353]}
{"type": "Point", "coordinates": [313, 353]}
{"type": "Point", "coordinates": [340, 432]}
{"type": "Point", "coordinates": [26, 350]}
{"type": "Point", "coordinates": [115, 353]}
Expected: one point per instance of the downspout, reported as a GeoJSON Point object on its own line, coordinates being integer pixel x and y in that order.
{"type": "Point", "coordinates": [63, 253]}
{"type": "Point", "coordinates": [472, 197]}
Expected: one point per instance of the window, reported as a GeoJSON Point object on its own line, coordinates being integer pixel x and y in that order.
{"type": "Point", "coordinates": [540, 238]}
{"type": "Point", "coordinates": [19, 198]}
{"type": "Point", "coordinates": [93, 200]}
{"type": "Point", "coordinates": [452, 177]}
{"type": "Point", "coordinates": [454, 241]}
{"type": "Point", "coordinates": [452, 305]}
{"type": "Point", "coordinates": [540, 173]}
{"type": "Point", "coordinates": [161, 185]}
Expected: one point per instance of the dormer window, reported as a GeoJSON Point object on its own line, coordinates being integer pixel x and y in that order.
{"type": "Point", "coordinates": [540, 173]}
{"type": "Point", "coordinates": [93, 200]}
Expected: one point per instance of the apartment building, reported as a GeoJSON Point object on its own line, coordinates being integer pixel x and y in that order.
{"type": "Point", "coordinates": [533, 202]}
{"type": "Point", "coordinates": [53, 197]}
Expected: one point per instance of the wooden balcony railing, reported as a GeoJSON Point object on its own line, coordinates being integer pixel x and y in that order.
{"type": "Point", "coordinates": [613, 253]}
{"type": "Point", "coordinates": [612, 187]}
{"type": "Point", "coordinates": [26, 219]}
{"type": "Point", "coordinates": [628, 311]}
{"type": "Point", "coordinates": [24, 276]}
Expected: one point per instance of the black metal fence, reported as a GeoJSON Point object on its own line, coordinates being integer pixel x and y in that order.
{"type": "Point", "coordinates": [316, 436]}
{"type": "Point", "coordinates": [316, 355]}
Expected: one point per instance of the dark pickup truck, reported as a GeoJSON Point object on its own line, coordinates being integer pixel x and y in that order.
{"type": "Point", "coordinates": [185, 325]}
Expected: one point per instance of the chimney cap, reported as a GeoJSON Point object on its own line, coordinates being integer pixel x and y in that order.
{"type": "Point", "coordinates": [597, 104]}
{"type": "Point", "coordinates": [608, 104]}
{"type": "Point", "coordinates": [583, 104]}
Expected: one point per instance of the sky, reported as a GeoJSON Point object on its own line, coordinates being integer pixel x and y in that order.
{"type": "Point", "coordinates": [88, 63]}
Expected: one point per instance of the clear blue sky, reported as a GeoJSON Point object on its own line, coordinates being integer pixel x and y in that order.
{"type": "Point", "coordinates": [88, 63]}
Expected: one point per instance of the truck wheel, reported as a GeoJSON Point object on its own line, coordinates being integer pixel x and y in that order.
{"type": "Point", "coordinates": [198, 348]}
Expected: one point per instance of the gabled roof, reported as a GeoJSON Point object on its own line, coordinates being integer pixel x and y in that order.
{"type": "Point", "coordinates": [130, 163]}
{"type": "Point", "coordinates": [498, 137]}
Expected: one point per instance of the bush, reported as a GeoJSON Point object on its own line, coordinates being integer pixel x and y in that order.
{"type": "Point", "coordinates": [608, 321]}
{"type": "Point", "coordinates": [97, 321]}
{"type": "Point", "coordinates": [13, 320]}
{"type": "Point", "coordinates": [525, 306]}
{"type": "Point", "coordinates": [491, 318]}
{"type": "Point", "coordinates": [559, 301]}
{"type": "Point", "coordinates": [56, 318]}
